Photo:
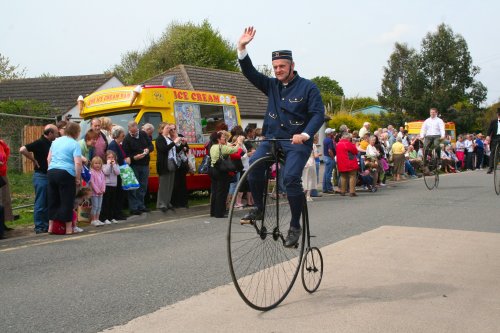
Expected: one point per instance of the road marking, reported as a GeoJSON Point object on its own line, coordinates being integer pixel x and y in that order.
{"type": "Point", "coordinates": [91, 234]}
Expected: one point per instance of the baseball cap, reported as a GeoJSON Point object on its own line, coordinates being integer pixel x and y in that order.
{"type": "Point", "coordinates": [329, 130]}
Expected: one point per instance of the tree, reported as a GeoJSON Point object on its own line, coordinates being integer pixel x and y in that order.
{"type": "Point", "coordinates": [446, 64]}
{"type": "Point", "coordinates": [401, 84]}
{"type": "Point", "coordinates": [8, 71]}
{"type": "Point", "coordinates": [328, 86]}
{"type": "Point", "coordinates": [440, 75]}
{"type": "Point", "coordinates": [189, 44]}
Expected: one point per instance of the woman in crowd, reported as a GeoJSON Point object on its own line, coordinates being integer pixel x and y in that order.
{"type": "Point", "coordinates": [165, 148]}
{"type": "Point", "coordinates": [372, 156]}
{"type": "Point", "coordinates": [487, 152]}
{"type": "Point", "coordinates": [106, 128]}
{"type": "Point", "coordinates": [87, 145]}
{"type": "Point", "coordinates": [64, 175]}
{"type": "Point", "coordinates": [219, 179]}
{"type": "Point", "coordinates": [460, 151]}
{"type": "Point", "coordinates": [447, 161]}
{"type": "Point", "coordinates": [118, 135]}
{"type": "Point", "coordinates": [347, 164]}
{"type": "Point", "coordinates": [61, 126]}
{"type": "Point", "coordinates": [5, 198]}
{"type": "Point", "coordinates": [236, 131]}
{"type": "Point", "coordinates": [398, 158]}
{"type": "Point", "coordinates": [180, 199]}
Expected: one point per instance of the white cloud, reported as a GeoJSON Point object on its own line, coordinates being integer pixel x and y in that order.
{"type": "Point", "coordinates": [394, 35]}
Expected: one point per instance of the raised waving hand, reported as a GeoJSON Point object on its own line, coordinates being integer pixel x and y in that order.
{"type": "Point", "coordinates": [246, 38]}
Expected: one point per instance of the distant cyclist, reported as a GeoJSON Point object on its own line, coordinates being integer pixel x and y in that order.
{"type": "Point", "coordinates": [295, 111]}
{"type": "Point", "coordinates": [432, 132]}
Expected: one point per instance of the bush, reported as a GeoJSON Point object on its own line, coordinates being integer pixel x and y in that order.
{"type": "Point", "coordinates": [353, 122]}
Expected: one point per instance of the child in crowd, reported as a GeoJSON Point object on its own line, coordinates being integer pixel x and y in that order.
{"type": "Point", "coordinates": [110, 211]}
{"type": "Point", "coordinates": [98, 185]}
{"type": "Point", "coordinates": [83, 194]}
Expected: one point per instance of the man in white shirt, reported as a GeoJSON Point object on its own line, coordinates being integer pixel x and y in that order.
{"type": "Point", "coordinates": [432, 132]}
{"type": "Point", "coordinates": [365, 129]}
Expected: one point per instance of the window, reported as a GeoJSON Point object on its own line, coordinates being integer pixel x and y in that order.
{"type": "Point", "coordinates": [153, 118]}
{"type": "Point", "coordinates": [197, 121]}
{"type": "Point", "coordinates": [120, 119]}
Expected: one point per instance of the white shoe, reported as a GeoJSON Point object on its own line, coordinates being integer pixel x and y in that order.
{"type": "Point", "coordinates": [77, 230]}
{"type": "Point", "coordinates": [114, 221]}
{"type": "Point", "coordinates": [107, 222]}
{"type": "Point", "coordinates": [309, 199]}
{"type": "Point", "coordinates": [96, 223]}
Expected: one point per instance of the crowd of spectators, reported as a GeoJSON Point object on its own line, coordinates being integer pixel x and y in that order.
{"type": "Point", "coordinates": [363, 159]}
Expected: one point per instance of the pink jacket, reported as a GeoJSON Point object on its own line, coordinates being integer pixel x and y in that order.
{"type": "Point", "coordinates": [97, 182]}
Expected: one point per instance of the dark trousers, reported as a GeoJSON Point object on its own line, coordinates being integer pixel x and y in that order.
{"type": "Point", "coordinates": [2, 220]}
{"type": "Point", "coordinates": [110, 205]}
{"type": "Point", "coordinates": [296, 157]}
{"type": "Point", "coordinates": [220, 189]}
{"type": "Point", "coordinates": [179, 193]}
{"type": "Point", "coordinates": [493, 145]}
{"type": "Point", "coordinates": [468, 160]}
{"type": "Point", "coordinates": [61, 193]}
{"type": "Point", "coordinates": [479, 157]}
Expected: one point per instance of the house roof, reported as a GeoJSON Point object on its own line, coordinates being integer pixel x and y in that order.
{"type": "Point", "coordinates": [252, 102]}
{"type": "Point", "coordinates": [60, 92]}
{"type": "Point", "coordinates": [372, 109]}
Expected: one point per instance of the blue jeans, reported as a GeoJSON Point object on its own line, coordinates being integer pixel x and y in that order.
{"type": "Point", "coordinates": [409, 168]}
{"type": "Point", "coordinates": [41, 210]}
{"type": "Point", "coordinates": [327, 175]}
{"type": "Point", "coordinates": [136, 197]}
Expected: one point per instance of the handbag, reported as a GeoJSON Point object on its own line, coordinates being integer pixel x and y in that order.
{"type": "Point", "coordinates": [129, 181]}
{"type": "Point", "coordinates": [83, 211]}
{"type": "Point", "coordinates": [2, 182]}
{"type": "Point", "coordinates": [225, 164]}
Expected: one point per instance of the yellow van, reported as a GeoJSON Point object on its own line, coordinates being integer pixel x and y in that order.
{"type": "Point", "coordinates": [195, 113]}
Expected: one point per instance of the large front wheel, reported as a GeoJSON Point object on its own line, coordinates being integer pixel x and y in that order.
{"type": "Point", "coordinates": [262, 268]}
{"type": "Point", "coordinates": [496, 175]}
{"type": "Point", "coordinates": [431, 177]}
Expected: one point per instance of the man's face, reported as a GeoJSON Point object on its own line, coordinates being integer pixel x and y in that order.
{"type": "Point", "coordinates": [433, 113]}
{"type": "Point", "coordinates": [133, 129]}
{"type": "Point", "coordinates": [283, 68]}
{"type": "Point", "coordinates": [96, 125]}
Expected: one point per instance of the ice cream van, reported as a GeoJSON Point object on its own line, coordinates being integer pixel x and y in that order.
{"type": "Point", "coordinates": [195, 113]}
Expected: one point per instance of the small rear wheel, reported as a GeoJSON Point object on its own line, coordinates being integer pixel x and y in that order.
{"type": "Point", "coordinates": [312, 269]}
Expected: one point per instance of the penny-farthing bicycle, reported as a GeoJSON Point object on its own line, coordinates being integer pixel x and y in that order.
{"type": "Point", "coordinates": [262, 268]}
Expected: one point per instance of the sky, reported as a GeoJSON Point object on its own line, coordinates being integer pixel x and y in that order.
{"type": "Point", "coordinates": [347, 41]}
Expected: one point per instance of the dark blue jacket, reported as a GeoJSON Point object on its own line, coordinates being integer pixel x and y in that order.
{"type": "Point", "coordinates": [291, 109]}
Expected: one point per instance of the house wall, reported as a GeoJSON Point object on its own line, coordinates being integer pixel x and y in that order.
{"type": "Point", "coordinates": [74, 112]}
{"type": "Point", "coordinates": [246, 121]}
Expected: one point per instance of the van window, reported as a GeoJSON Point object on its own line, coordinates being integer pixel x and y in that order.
{"type": "Point", "coordinates": [120, 119]}
{"type": "Point", "coordinates": [197, 121]}
{"type": "Point", "coordinates": [153, 118]}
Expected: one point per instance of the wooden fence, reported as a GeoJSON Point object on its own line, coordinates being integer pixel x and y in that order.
{"type": "Point", "coordinates": [30, 134]}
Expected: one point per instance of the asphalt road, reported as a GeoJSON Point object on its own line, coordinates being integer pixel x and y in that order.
{"type": "Point", "coordinates": [106, 278]}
